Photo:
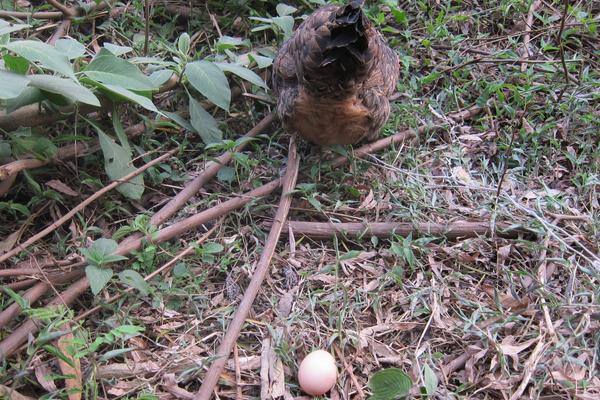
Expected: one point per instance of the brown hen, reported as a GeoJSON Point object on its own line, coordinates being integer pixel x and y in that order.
{"type": "Point", "coordinates": [333, 77]}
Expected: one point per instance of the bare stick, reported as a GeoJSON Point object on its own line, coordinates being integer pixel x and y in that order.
{"type": "Point", "coordinates": [67, 11]}
{"type": "Point", "coordinates": [560, 41]}
{"type": "Point", "coordinates": [61, 30]}
{"type": "Point", "coordinates": [14, 309]}
{"type": "Point", "coordinates": [262, 268]}
{"type": "Point", "coordinates": [35, 15]}
{"type": "Point", "coordinates": [527, 36]}
{"type": "Point", "coordinates": [82, 205]}
{"type": "Point", "coordinates": [151, 275]}
{"type": "Point", "coordinates": [19, 335]}
{"type": "Point", "coordinates": [453, 230]}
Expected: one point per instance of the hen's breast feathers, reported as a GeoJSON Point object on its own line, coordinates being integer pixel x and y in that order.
{"type": "Point", "coordinates": [333, 77]}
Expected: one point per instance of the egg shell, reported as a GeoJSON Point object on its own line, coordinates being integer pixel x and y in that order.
{"type": "Point", "coordinates": [317, 373]}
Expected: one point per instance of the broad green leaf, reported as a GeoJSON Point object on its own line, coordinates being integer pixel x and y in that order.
{"type": "Point", "coordinates": [71, 47]}
{"type": "Point", "coordinates": [284, 9]}
{"type": "Point", "coordinates": [116, 49]}
{"type": "Point", "coordinates": [226, 174]}
{"type": "Point", "coordinates": [390, 384]}
{"type": "Point", "coordinates": [124, 94]}
{"type": "Point", "coordinates": [43, 54]}
{"type": "Point", "coordinates": [16, 64]}
{"type": "Point", "coordinates": [243, 73]}
{"type": "Point", "coordinates": [431, 380]}
{"type": "Point", "coordinates": [98, 277]}
{"type": "Point", "coordinates": [229, 42]}
{"type": "Point", "coordinates": [158, 78]}
{"type": "Point", "coordinates": [135, 280]}
{"type": "Point", "coordinates": [261, 61]}
{"type": "Point", "coordinates": [117, 163]}
{"type": "Point", "coordinates": [24, 141]}
{"type": "Point", "coordinates": [204, 123]}
{"type": "Point", "coordinates": [105, 246]}
{"type": "Point", "coordinates": [28, 96]}
{"type": "Point", "coordinates": [183, 43]}
{"type": "Point", "coordinates": [349, 255]}
{"type": "Point", "coordinates": [286, 24]}
{"type": "Point", "coordinates": [212, 248]}
{"type": "Point", "coordinates": [179, 120]}
{"type": "Point", "coordinates": [209, 80]}
{"type": "Point", "coordinates": [8, 27]}
{"type": "Point", "coordinates": [64, 87]}
{"type": "Point", "coordinates": [12, 84]}
{"type": "Point", "coordinates": [109, 69]}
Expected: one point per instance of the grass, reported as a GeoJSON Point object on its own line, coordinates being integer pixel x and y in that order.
{"type": "Point", "coordinates": [485, 314]}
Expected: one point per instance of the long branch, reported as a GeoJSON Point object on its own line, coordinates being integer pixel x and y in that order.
{"type": "Point", "coordinates": [451, 230]}
{"type": "Point", "coordinates": [262, 268]}
{"type": "Point", "coordinates": [54, 225]}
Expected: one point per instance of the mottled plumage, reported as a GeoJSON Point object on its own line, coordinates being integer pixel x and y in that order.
{"type": "Point", "coordinates": [333, 77]}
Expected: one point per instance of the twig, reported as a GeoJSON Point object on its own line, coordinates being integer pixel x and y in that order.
{"type": "Point", "coordinates": [67, 11]}
{"type": "Point", "coordinates": [146, 25]}
{"type": "Point", "coordinates": [451, 231]}
{"type": "Point", "coordinates": [527, 36]}
{"type": "Point", "coordinates": [14, 309]}
{"type": "Point", "coordinates": [151, 275]}
{"type": "Point", "coordinates": [360, 393]}
{"type": "Point", "coordinates": [19, 335]}
{"type": "Point", "coordinates": [560, 41]}
{"type": "Point", "coordinates": [289, 182]}
{"type": "Point", "coordinates": [529, 367]}
{"type": "Point", "coordinates": [82, 205]}
{"type": "Point", "coordinates": [61, 30]}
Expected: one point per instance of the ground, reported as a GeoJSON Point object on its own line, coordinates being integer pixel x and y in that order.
{"type": "Point", "coordinates": [479, 316]}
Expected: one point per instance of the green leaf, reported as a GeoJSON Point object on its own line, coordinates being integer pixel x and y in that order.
{"type": "Point", "coordinates": [179, 120]}
{"type": "Point", "coordinates": [28, 96]}
{"type": "Point", "coordinates": [204, 123]}
{"type": "Point", "coordinates": [118, 163]}
{"type": "Point", "coordinates": [64, 87]}
{"type": "Point", "coordinates": [116, 49]}
{"type": "Point", "coordinates": [390, 384]}
{"type": "Point", "coordinates": [261, 61]}
{"type": "Point", "coordinates": [229, 42]}
{"type": "Point", "coordinates": [43, 54]}
{"type": "Point", "coordinates": [98, 277]}
{"type": "Point", "coordinates": [212, 248]}
{"type": "Point", "coordinates": [243, 73]}
{"type": "Point", "coordinates": [349, 255]}
{"type": "Point", "coordinates": [109, 69]}
{"type": "Point", "coordinates": [209, 80]}
{"type": "Point", "coordinates": [120, 93]}
{"type": "Point", "coordinates": [8, 27]}
{"type": "Point", "coordinates": [226, 174]}
{"type": "Point", "coordinates": [12, 84]}
{"type": "Point", "coordinates": [160, 77]}
{"type": "Point", "coordinates": [16, 64]}
{"type": "Point", "coordinates": [24, 141]}
{"type": "Point", "coordinates": [183, 43]}
{"type": "Point", "coordinates": [431, 380]}
{"type": "Point", "coordinates": [286, 23]}
{"type": "Point", "coordinates": [135, 280]}
{"type": "Point", "coordinates": [284, 9]}
{"type": "Point", "coordinates": [71, 47]}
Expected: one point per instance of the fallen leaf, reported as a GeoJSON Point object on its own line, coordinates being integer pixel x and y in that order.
{"type": "Point", "coordinates": [61, 187]}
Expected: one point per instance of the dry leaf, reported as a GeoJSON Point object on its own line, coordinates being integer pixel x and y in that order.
{"type": "Point", "coordinates": [511, 349]}
{"type": "Point", "coordinates": [61, 187]}
{"type": "Point", "coordinates": [73, 383]}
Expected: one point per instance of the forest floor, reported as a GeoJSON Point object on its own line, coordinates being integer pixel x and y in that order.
{"type": "Point", "coordinates": [507, 308]}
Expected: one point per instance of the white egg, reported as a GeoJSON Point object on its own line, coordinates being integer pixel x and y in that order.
{"type": "Point", "coordinates": [317, 373]}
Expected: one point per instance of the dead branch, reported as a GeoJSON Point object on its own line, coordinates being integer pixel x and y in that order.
{"type": "Point", "coordinates": [61, 30]}
{"type": "Point", "coordinates": [32, 295]}
{"type": "Point", "coordinates": [262, 268]}
{"type": "Point", "coordinates": [82, 205]}
{"type": "Point", "coordinates": [452, 230]}
{"type": "Point", "coordinates": [69, 295]}
{"type": "Point", "coordinates": [527, 36]}
{"type": "Point", "coordinates": [63, 11]}
{"type": "Point", "coordinates": [19, 336]}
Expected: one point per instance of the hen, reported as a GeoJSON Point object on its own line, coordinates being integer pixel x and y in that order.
{"type": "Point", "coordinates": [333, 77]}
